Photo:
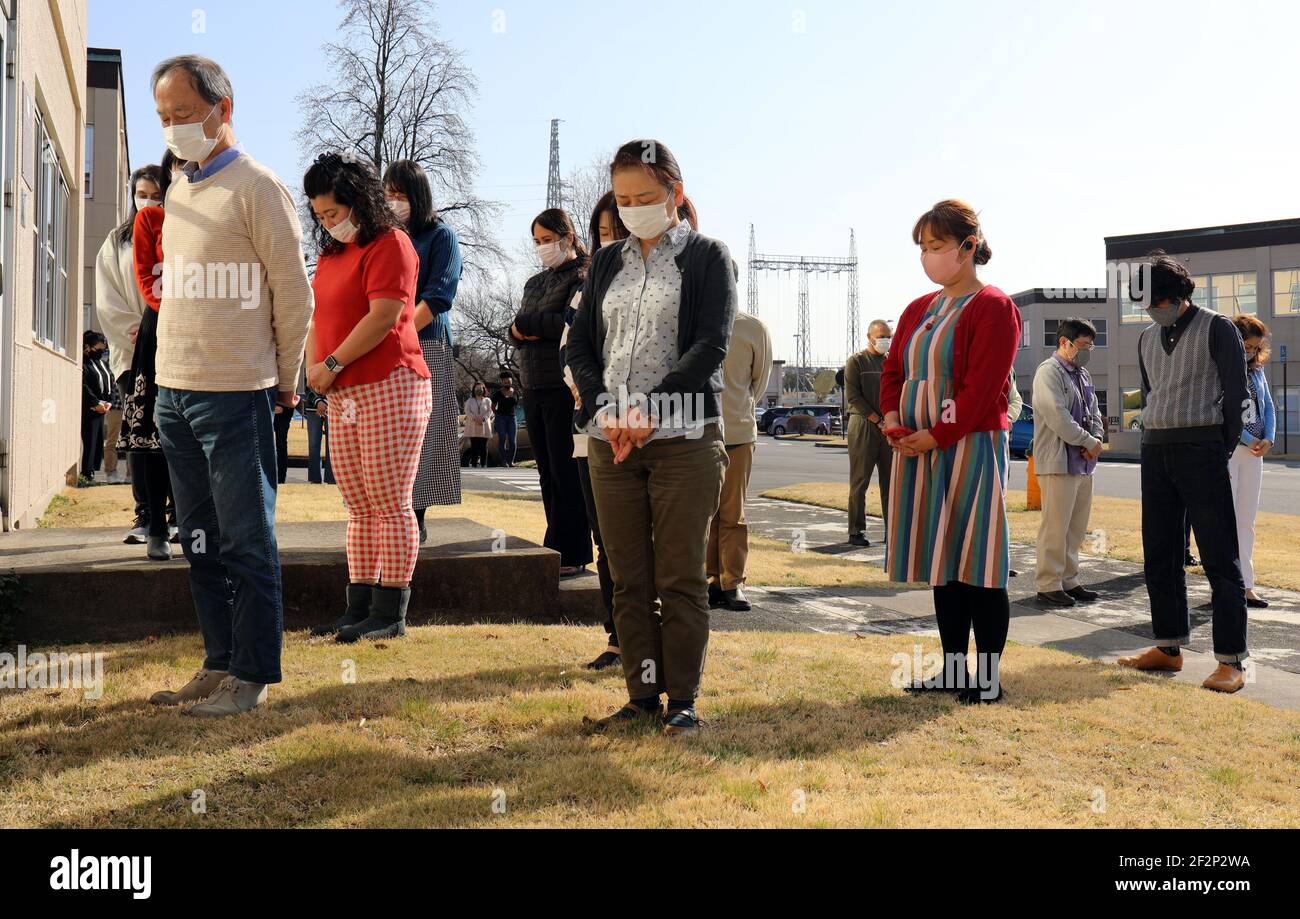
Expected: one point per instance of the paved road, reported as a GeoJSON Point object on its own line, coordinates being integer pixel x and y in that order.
{"type": "Point", "coordinates": [779, 463]}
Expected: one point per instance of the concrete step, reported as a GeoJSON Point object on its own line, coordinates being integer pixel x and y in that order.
{"type": "Point", "coordinates": [85, 585]}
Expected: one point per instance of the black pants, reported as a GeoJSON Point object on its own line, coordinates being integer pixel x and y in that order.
{"type": "Point", "coordinates": [548, 414]}
{"type": "Point", "coordinates": [152, 485]}
{"type": "Point", "coordinates": [602, 562]}
{"type": "Point", "coordinates": [1192, 481]}
{"type": "Point", "coordinates": [92, 442]}
{"type": "Point", "coordinates": [958, 607]}
{"type": "Point", "coordinates": [477, 454]}
{"type": "Point", "coordinates": [283, 422]}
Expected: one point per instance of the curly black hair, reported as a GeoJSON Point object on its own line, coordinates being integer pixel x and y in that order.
{"type": "Point", "coordinates": [1162, 278]}
{"type": "Point", "coordinates": [353, 184]}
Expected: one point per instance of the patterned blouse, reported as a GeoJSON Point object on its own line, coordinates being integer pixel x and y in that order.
{"type": "Point", "coordinates": [641, 310]}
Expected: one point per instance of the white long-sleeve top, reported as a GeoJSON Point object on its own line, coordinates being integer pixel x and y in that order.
{"type": "Point", "coordinates": [118, 301]}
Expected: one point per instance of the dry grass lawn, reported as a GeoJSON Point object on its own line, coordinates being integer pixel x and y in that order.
{"type": "Point", "coordinates": [1116, 524]}
{"type": "Point", "coordinates": [802, 731]}
{"type": "Point", "coordinates": [771, 562]}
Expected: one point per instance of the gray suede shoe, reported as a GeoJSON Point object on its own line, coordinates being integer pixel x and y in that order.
{"type": "Point", "coordinates": [233, 697]}
{"type": "Point", "coordinates": [203, 684]}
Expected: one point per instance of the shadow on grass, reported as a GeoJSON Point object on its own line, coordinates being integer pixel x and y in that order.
{"type": "Point", "coordinates": [552, 768]}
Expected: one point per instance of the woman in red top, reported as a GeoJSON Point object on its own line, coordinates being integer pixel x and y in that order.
{"type": "Point", "coordinates": [364, 354]}
{"type": "Point", "coordinates": [944, 392]}
{"type": "Point", "coordinates": [139, 436]}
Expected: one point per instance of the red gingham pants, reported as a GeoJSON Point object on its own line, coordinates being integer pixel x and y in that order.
{"type": "Point", "coordinates": [376, 432]}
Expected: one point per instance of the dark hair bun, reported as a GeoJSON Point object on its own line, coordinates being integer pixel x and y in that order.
{"type": "Point", "coordinates": [983, 251]}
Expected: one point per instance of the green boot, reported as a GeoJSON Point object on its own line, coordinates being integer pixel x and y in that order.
{"type": "Point", "coordinates": [357, 611]}
{"type": "Point", "coordinates": [387, 617]}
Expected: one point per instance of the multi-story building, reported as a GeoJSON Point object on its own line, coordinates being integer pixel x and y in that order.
{"type": "Point", "coordinates": [42, 160]}
{"type": "Point", "coordinates": [1243, 268]}
{"type": "Point", "coordinates": [108, 164]}
{"type": "Point", "coordinates": [1041, 312]}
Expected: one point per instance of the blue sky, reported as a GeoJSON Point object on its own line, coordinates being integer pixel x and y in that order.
{"type": "Point", "coordinates": [1061, 123]}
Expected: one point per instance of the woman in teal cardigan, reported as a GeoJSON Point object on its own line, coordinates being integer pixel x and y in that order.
{"type": "Point", "coordinates": [1246, 465]}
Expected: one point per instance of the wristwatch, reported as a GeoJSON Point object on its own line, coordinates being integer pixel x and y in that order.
{"type": "Point", "coordinates": [332, 365]}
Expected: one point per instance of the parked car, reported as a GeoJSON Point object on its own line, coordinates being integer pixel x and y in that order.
{"type": "Point", "coordinates": [1022, 433]}
{"type": "Point", "coordinates": [770, 415]}
{"type": "Point", "coordinates": [821, 419]}
{"type": "Point", "coordinates": [524, 449]}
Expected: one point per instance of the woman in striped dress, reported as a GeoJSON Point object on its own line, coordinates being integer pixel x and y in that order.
{"type": "Point", "coordinates": [406, 187]}
{"type": "Point", "coordinates": [944, 391]}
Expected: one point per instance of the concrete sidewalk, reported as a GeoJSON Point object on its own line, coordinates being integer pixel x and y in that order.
{"type": "Point", "coordinates": [1117, 624]}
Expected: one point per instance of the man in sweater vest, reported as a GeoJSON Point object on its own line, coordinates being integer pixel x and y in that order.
{"type": "Point", "coordinates": [1194, 388]}
{"type": "Point", "coordinates": [231, 332]}
{"type": "Point", "coordinates": [868, 446]}
{"type": "Point", "coordinates": [744, 379]}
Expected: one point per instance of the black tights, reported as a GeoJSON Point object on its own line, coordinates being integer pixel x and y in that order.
{"type": "Point", "coordinates": [151, 468]}
{"type": "Point", "coordinates": [958, 606]}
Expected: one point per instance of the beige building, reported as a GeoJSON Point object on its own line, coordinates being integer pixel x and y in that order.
{"type": "Point", "coordinates": [108, 164]}
{"type": "Point", "coordinates": [42, 160]}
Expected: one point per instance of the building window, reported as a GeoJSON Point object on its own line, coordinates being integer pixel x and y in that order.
{"type": "Point", "coordinates": [1024, 334]}
{"type": "Point", "coordinates": [49, 307]}
{"type": "Point", "coordinates": [1229, 294]}
{"type": "Point", "coordinates": [1101, 406]}
{"type": "Point", "coordinates": [1050, 327]}
{"type": "Point", "coordinates": [1286, 292]}
{"type": "Point", "coordinates": [1130, 311]}
{"type": "Point", "coordinates": [89, 180]}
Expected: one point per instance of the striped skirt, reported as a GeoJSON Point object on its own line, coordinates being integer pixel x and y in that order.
{"type": "Point", "coordinates": [948, 514]}
{"type": "Point", "coordinates": [438, 480]}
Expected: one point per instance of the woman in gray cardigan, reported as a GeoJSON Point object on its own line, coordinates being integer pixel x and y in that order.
{"type": "Point", "coordinates": [646, 350]}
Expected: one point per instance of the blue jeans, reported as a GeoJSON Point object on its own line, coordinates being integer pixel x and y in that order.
{"type": "Point", "coordinates": [507, 429]}
{"type": "Point", "coordinates": [317, 435]}
{"type": "Point", "coordinates": [220, 449]}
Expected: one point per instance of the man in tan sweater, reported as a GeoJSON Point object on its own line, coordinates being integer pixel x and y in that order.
{"type": "Point", "coordinates": [744, 371]}
{"type": "Point", "coordinates": [236, 304]}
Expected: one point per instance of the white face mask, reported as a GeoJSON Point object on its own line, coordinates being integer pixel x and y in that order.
{"type": "Point", "coordinates": [553, 254]}
{"type": "Point", "coordinates": [142, 203]}
{"type": "Point", "coordinates": [882, 345]}
{"type": "Point", "coordinates": [189, 142]}
{"type": "Point", "coordinates": [648, 222]}
{"type": "Point", "coordinates": [401, 209]}
{"type": "Point", "coordinates": [345, 231]}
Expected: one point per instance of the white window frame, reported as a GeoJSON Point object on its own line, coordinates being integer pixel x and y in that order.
{"type": "Point", "coordinates": [50, 235]}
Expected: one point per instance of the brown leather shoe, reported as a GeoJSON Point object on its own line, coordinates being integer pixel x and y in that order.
{"type": "Point", "coordinates": [1154, 659]}
{"type": "Point", "coordinates": [1226, 678]}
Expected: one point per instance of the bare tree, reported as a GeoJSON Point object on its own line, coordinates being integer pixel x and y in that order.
{"type": "Point", "coordinates": [482, 331]}
{"type": "Point", "coordinates": [583, 188]}
{"type": "Point", "coordinates": [400, 92]}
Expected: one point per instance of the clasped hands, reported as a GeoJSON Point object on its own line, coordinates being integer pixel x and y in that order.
{"type": "Point", "coordinates": [628, 433]}
{"type": "Point", "coordinates": [913, 444]}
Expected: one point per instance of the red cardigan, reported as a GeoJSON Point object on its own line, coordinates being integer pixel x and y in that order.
{"type": "Point", "coordinates": [987, 337]}
{"type": "Point", "coordinates": [146, 235]}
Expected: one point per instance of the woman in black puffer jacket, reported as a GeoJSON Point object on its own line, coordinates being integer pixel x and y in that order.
{"type": "Point", "coordinates": [548, 403]}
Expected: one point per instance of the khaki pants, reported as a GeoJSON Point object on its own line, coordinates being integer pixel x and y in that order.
{"type": "Point", "coordinates": [655, 509]}
{"type": "Point", "coordinates": [868, 450]}
{"type": "Point", "coordinates": [112, 428]}
{"type": "Point", "coordinates": [729, 534]}
{"type": "Point", "coordinates": [1067, 503]}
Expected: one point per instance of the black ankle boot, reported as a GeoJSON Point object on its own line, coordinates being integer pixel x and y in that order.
{"type": "Point", "coordinates": [387, 617]}
{"type": "Point", "coordinates": [357, 611]}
